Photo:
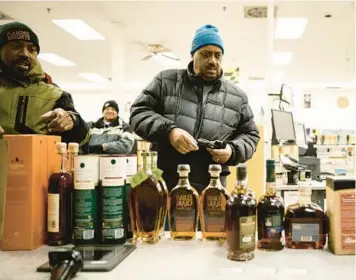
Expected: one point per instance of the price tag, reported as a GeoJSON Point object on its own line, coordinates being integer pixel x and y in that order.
{"type": "Point", "coordinates": [157, 173]}
{"type": "Point", "coordinates": [138, 178]}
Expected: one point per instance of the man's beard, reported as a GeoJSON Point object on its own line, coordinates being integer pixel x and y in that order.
{"type": "Point", "coordinates": [12, 72]}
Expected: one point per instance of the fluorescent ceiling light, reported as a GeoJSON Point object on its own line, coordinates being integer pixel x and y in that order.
{"type": "Point", "coordinates": [55, 59]}
{"type": "Point", "coordinates": [282, 58]}
{"type": "Point", "coordinates": [79, 29]}
{"type": "Point", "coordinates": [85, 86]}
{"type": "Point", "coordinates": [94, 77]}
{"type": "Point", "coordinates": [290, 28]}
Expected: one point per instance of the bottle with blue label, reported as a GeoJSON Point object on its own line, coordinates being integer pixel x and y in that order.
{"type": "Point", "coordinates": [270, 214]}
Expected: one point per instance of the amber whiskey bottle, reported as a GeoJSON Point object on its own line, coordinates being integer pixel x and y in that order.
{"type": "Point", "coordinates": [241, 222]}
{"type": "Point", "coordinates": [183, 207]}
{"type": "Point", "coordinates": [270, 214]}
{"type": "Point", "coordinates": [147, 202]}
{"type": "Point", "coordinates": [158, 174]}
{"type": "Point", "coordinates": [212, 207]}
{"type": "Point", "coordinates": [305, 223]}
{"type": "Point", "coordinates": [59, 216]}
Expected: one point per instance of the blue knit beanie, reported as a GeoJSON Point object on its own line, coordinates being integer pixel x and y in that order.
{"type": "Point", "coordinates": [207, 35]}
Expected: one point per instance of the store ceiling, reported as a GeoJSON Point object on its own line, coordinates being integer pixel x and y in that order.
{"type": "Point", "coordinates": [324, 56]}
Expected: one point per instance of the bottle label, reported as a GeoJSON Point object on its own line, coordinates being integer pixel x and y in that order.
{"type": "Point", "coordinates": [185, 212]}
{"type": "Point", "coordinates": [86, 171]}
{"type": "Point", "coordinates": [85, 211]}
{"type": "Point", "coordinates": [131, 168]}
{"type": "Point", "coordinates": [138, 178]}
{"type": "Point", "coordinates": [273, 224]}
{"type": "Point", "coordinates": [53, 212]}
{"type": "Point", "coordinates": [305, 232]}
{"type": "Point", "coordinates": [157, 173]}
{"type": "Point", "coordinates": [113, 168]}
{"type": "Point", "coordinates": [248, 232]}
{"type": "Point", "coordinates": [113, 211]}
{"type": "Point", "coordinates": [215, 220]}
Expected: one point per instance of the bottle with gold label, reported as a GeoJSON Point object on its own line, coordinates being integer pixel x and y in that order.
{"type": "Point", "coordinates": [241, 224]}
{"type": "Point", "coordinates": [212, 207]}
{"type": "Point", "coordinates": [270, 214]}
{"type": "Point", "coordinates": [183, 207]}
{"type": "Point", "coordinates": [158, 174]}
{"type": "Point", "coordinates": [147, 202]}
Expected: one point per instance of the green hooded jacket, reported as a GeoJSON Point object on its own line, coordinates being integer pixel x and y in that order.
{"type": "Point", "coordinates": [23, 102]}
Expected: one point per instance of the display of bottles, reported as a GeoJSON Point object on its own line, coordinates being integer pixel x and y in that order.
{"type": "Point", "coordinates": [270, 213]}
{"type": "Point", "coordinates": [212, 207]}
{"type": "Point", "coordinates": [59, 216]}
{"type": "Point", "coordinates": [241, 222]}
{"type": "Point", "coordinates": [85, 200]}
{"type": "Point", "coordinates": [305, 223]}
{"type": "Point", "coordinates": [146, 203]}
{"type": "Point", "coordinates": [158, 174]}
{"type": "Point", "coordinates": [183, 207]}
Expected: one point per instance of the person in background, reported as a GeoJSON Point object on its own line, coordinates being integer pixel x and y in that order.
{"type": "Point", "coordinates": [28, 104]}
{"type": "Point", "coordinates": [182, 105]}
{"type": "Point", "coordinates": [110, 134]}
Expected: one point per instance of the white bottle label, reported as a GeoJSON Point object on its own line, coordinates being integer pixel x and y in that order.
{"type": "Point", "coordinates": [53, 212]}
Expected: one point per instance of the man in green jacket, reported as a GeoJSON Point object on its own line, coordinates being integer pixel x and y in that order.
{"type": "Point", "coordinates": [29, 105]}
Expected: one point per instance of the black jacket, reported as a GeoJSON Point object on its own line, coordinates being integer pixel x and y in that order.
{"type": "Point", "coordinates": [174, 99]}
{"type": "Point", "coordinates": [117, 136]}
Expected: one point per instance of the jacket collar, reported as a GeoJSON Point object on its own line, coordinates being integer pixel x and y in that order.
{"type": "Point", "coordinates": [100, 123]}
{"type": "Point", "coordinates": [199, 81]}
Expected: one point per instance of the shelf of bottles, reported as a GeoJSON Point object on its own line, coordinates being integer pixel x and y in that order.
{"type": "Point", "coordinates": [118, 199]}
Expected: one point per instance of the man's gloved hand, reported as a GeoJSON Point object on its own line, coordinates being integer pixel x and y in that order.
{"type": "Point", "coordinates": [96, 149]}
{"type": "Point", "coordinates": [182, 141]}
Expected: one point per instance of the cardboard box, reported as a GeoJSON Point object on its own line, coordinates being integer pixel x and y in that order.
{"type": "Point", "coordinates": [340, 199]}
{"type": "Point", "coordinates": [4, 154]}
{"type": "Point", "coordinates": [32, 158]}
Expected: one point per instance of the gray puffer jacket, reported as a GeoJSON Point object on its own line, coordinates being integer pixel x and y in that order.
{"type": "Point", "coordinates": [175, 99]}
{"type": "Point", "coordinates": [117, 136]}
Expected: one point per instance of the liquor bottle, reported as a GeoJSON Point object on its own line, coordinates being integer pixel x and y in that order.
{"type": "Point", "coordinates": [241, 179]}
{"type": "Point", "coordinates": [212, 207]}
{"type": "Point", "coordinates": [241, 223]}
{"type": "Point", "coordinates": [183, 207]}
{"type": "Point", "coordinates": [305, 223]}
{"type": "Point", "coordinates": [73, 150]}
{"type": "Point", "coordinates": [85, 200]}
{"type": "Point", "coordinates": [59, 216]}
{"type": "Point", "coordinates": [270, 214]}
{"type": "Point", "coordinates": [147, 202]}
{"type": "Point", "coordinates": [158, 174]}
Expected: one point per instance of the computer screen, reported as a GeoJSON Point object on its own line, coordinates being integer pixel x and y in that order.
{"type": "Point", "coordinates": [301, 135]}
{"type": "Point", "coordinates": [283, 126]}
{"type": "Point", "coordinates": [286, 94]}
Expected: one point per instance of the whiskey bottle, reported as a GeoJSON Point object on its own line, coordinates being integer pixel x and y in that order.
{"type": "Point", "coordinates": [158, 174]}
{"type": "Point", "coordinates": [183, 207]}
{"type": "Point", "coordinates": [147, 202]}
{"type": "Point", "coordinates": [241, 223]}
{"type": "Point", "coordinates": [241, 179]}
{"type": "Point", "coordinates": [212, 207]}
{"type": "Point", "coordinates": [305, 223]}
{"type": "Point", "coordinates": [85, 200]}
{"type": "Point", "coordinates": [270, 214]}
{"type": "Point", "coordinates": [59, 216]}
{"type": "Point", "coordinates": [131, 169]}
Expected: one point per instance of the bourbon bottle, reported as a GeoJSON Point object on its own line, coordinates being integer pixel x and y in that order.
{"type": "Point", "coordinates": [241, 223]}
{"type": "Point", "coordinates": [158, 174]}
{"type": "Point", "coordinates": [305, 223]}
{"type": "Point", "coordinates": [59, 216]}
{"type": "Point", "coordinates": [183, 207]}
{"type": "Point", "coordinates": [147, 202]}
{"type": "Point", "coordinates": [270, 214]}
{"type": "Point", "coordinates": [212, 207]}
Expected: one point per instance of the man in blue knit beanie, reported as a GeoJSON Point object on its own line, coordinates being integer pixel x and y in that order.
{"type": "Point", "coordinates": [181, 106]}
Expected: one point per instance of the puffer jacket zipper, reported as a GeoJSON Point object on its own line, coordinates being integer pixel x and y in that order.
{"type": "Point", "coordinates": [200, 114]}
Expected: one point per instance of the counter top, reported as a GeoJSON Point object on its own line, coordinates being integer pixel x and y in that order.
{"type": "Point", "coordinates": [195, 260]}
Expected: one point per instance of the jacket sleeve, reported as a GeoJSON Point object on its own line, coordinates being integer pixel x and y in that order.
{"type": "Point", "coordinates": [145, 119]}
{"type": "Point", "coordinates": [80, 132]}
{"type": "Point", "coordinates": [122, 146]}
{"type": "Point", "coordinates": [245, 143]}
